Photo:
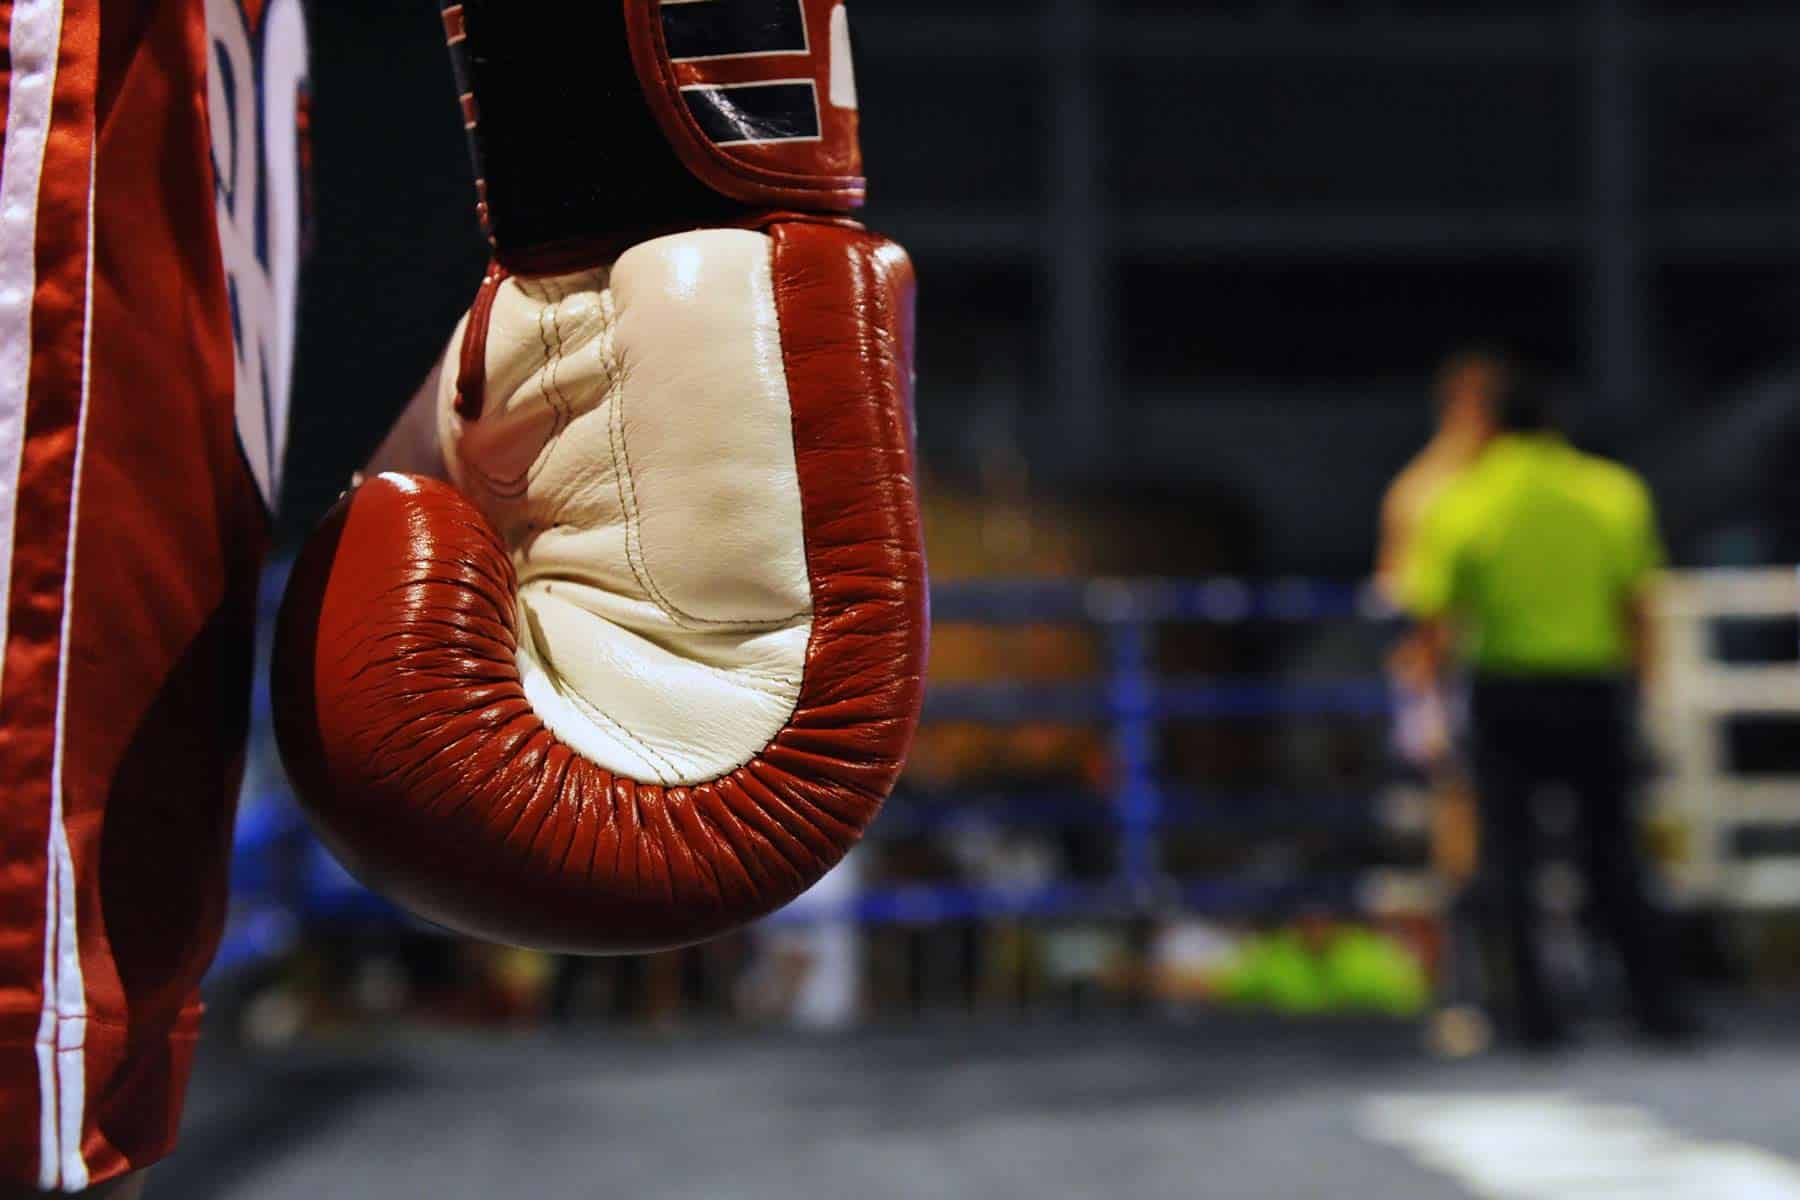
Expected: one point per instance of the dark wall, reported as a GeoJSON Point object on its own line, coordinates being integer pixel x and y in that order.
{"type": "Point", "coordinates": [396, 252]}
{"type": "Point", "coordinates": [1216, 246]}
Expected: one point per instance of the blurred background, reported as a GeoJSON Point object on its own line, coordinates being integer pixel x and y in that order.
{"type": "Point", "coordinates": [1155, 909]}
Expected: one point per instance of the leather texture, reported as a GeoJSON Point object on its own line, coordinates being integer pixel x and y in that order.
{"type": "Point", "coordinates": [650, 667]}
{"type": "Point", "coordinates": [625, 411]}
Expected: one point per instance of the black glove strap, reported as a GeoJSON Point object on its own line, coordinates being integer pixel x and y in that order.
{"type": "Point", "coordinates": [569, 161]}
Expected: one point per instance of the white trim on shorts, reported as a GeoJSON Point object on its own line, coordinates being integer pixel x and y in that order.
{"type": "Point", "coordinates": [35, 44]}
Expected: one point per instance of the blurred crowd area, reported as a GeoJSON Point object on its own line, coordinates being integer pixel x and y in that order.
{"type": "Point", "coordinates": [1014, 808]}
{"type": "Point", "coordinates": [1186, 271]}
{"type": "Point", "coordinates": [1305, 881]}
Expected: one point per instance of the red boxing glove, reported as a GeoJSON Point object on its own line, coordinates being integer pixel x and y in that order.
{"type": "Point", "coordinates": [644, 664]}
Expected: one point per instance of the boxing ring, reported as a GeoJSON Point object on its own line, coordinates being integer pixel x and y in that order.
{"type": "Point", "coordinates": [1737, 843]}
{"type": "Point", "coordinates": [1250, 1105]}
{"type": "Point", "coordinates": [1031, 1108]}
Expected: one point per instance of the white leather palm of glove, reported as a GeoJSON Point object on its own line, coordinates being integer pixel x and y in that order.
{"type": "Point", "coordinates": [635, 453]}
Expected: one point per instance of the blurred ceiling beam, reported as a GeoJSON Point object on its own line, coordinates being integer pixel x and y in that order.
{"type": "Point", "coordinates": [926, 34]}
{"type": "Point", "coordinates": [1728, 233]}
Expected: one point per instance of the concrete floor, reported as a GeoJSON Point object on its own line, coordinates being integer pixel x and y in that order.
{"type": "Point", "coordinates": [1221, 1110]}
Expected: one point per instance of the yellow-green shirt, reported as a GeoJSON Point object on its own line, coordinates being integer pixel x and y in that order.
{"type": "Point", "coordinates": [1536, 551]}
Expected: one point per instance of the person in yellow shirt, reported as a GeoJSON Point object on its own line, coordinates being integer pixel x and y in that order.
{"type": "Point", "coordinates": [1535, 568]}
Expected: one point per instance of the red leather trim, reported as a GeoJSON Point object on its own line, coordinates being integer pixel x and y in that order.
{"type": "Point", "coordinates": [471, 372]}
{"type": "Point", "coordinates": [801, 178]}
{"type": "Point", "coordinates": [403, 720]}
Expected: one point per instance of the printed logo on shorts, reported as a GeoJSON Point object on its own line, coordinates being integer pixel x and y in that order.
{"type": "Point", "coordinates": [257, 97]}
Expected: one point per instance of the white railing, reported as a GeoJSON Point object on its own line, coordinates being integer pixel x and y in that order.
{"type": "Point", "coordinates": [1699, 800]}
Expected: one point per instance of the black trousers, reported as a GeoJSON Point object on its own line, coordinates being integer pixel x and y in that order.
{"type": "Point", "coordinates": [1533, 733]}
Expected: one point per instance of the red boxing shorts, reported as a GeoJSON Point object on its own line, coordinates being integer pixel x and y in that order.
{"type": "Point", "coordinates": [145, 340]}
